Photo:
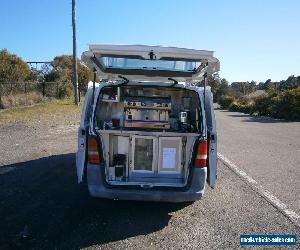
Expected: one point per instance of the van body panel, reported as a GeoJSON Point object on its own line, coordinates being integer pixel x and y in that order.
{"type": "Point", "coordinates": [83, 131]}
{"type": "Point", "coordinates": [98, 188]}
{"type": "Point", "coordinates": [212, 139]}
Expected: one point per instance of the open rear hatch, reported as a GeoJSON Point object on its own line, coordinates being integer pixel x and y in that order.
{"type": "Point", "coordinates": [140, 62]}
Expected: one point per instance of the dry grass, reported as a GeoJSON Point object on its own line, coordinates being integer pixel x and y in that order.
{"type": "Point", "coordinates": [18, 100]}
{"type": "Point", "coordinates": [46, 112]}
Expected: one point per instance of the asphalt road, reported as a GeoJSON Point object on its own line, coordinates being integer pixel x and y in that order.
{"type": "Point", "coordinates": [42, 206]}
{"type": "Point", "coordinates": [268, 150]}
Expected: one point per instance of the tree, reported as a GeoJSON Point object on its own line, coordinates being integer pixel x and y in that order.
{"type": "Point", "coordinates": [224, 82]}
{"type": "Point", "coordinates": [243, 88]}
{"type": "Point", "coordinates": [84, 76]}
{"type": "Point", "coordinates": [238, 88]}
{"type": "Point", "coordinates": [219, 87]}
{"type": "Point", "coordinates": [261, 86]}
{"type": "Point", "coordinates": [292, 82]}
{"type": "Point", "coordinates": [214, 82]}
{"type": "Point", "coordinates": [253, 86]}
{"type": "Point", "coordinates": [12, 68]}
{"type": "Point", "coordinates": [62, 72]}
{"type": "Point", "coordinates": [223, 89]}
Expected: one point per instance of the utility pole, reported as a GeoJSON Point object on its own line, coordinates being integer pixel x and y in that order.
{"type": "Point", "coordinates": [75, 74]}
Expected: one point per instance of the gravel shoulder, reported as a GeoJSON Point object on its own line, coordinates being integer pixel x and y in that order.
{"type": "Point", "coordinates": [33, 132]}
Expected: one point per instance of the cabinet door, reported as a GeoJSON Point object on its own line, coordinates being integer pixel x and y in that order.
{"type": "Point", "coordinates": [170, 152]}
{"type": "Point", "coordinates": [143, 156]}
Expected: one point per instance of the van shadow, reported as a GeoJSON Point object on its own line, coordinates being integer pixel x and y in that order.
{"type": "Point", "coordinates": [252, 118]}
{"type": "Point", "coordinates": [263, 119]}
{"type": "Point", "coordinates": [43, 207]}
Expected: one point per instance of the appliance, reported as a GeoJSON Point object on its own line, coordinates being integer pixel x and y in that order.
{"type": "Point", "coordinates": [147, 112]}
{"type": "Point", "coordinates": [184, 118]}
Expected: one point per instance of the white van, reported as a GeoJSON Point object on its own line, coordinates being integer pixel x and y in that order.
{"type": "Point", "coordinates": [147, 132]}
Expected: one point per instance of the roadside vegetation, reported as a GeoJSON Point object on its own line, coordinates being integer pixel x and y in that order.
{"type": "Point", "coordinates": [21, 99]}
{"type": "Point", "coordinates": [21, 85]}
{"type": "Point", "coordinates": [274, 99]}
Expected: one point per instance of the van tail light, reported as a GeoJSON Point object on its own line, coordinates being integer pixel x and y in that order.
{"type": "Point", "coordinates": [201, 155]}
{"type": "Point", "coordinates": [93, 153]}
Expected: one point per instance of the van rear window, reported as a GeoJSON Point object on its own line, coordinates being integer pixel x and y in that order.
{"type": "Point", "coordinates": [146, 64]}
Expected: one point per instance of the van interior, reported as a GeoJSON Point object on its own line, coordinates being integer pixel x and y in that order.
{"type": "Point", "coordinates": [147, 133]}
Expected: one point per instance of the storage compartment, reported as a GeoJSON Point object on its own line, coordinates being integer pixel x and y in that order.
{"type": "Point", "coordinates": [147, 158]}
{"type": "Point", "coordinates": [147, 108]}
{"type": "Point", "coordinates": [110, 94]}
{"type": "Point", "coordinates": [118, 158]}
{"type": "Point", "coordinates": [148, 134]}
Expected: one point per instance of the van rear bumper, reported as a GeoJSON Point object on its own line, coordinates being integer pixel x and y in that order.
{"type": "Point", "coordinates": [98, 189]}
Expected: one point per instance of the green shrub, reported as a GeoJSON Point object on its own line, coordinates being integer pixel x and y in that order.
{"type": "Point", "coordinates": [287, 105]}
{"type": "Point", "coordinates": [234, 107]}
{"type": "Point", "coordinates": [246, 108]}
{"type": "Point", "coordinates": [243, 107]}
{"type": "Point", "coordinates": [226, 101]}
{"type": "Point", "coordinates": [249, 109]}
{"type": "Point", "coordinates": [262, 105]}
{"type": "Point", "coordinates": [65, 90]}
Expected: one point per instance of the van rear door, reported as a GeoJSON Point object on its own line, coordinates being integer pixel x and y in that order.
{"type": "Point", "coordinates": [212, 138]}
{"type": "Point", "coordinates": [82, 134]}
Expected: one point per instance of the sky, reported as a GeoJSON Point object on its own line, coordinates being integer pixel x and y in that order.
{"type": "Point", "coordinates": [253, 39]}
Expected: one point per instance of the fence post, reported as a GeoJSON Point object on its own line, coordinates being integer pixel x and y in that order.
{"type": "Point", "coordinates": [57, 91]}
{"type": "Point", "coordinates": [25, 88]}
{"type": "Point", "coordinates": [0, 95]}
{"type": "Point", "coordinates": [43, 88]}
